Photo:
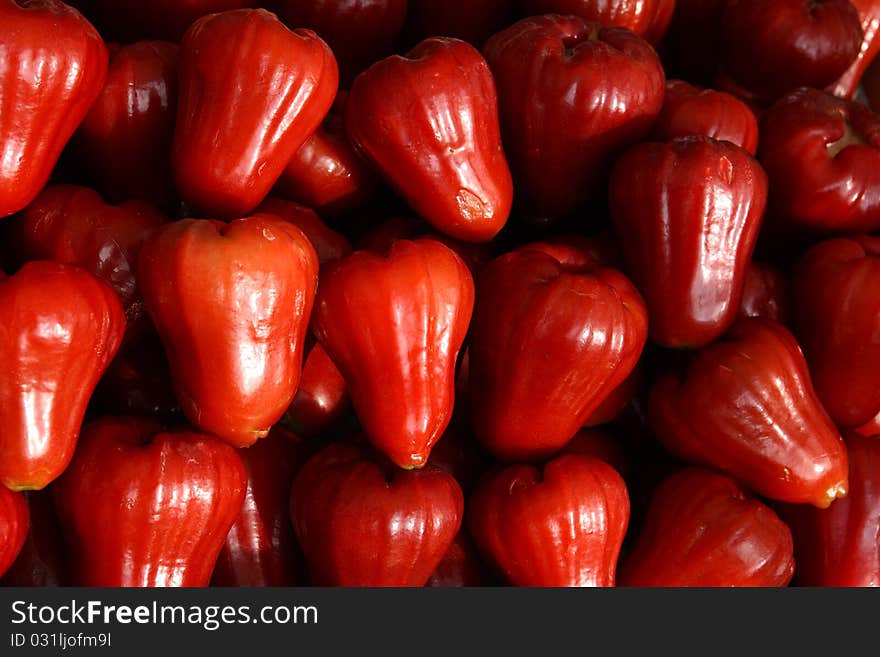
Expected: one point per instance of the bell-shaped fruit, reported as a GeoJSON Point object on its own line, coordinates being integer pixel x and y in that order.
{"type": "Point", "coordinates": [393, 324]}
{"type": "Point", "coordinates": [687, 214]}
{"type": "Point", "coordinates": [60, 327]}
{"type": "Point", "coordinates": [561, 524]}
{"type": "Point", "coordinates": [429, 122]}
{"type": "Point", "coordinates": [140, 507]}
{"type": "Point", "coordinates": [549, 343]}
{"type": "Point", "coordinates": [572, 96]}
{"type": "Point", "coordinates": [746, 405]}
{"type": "Point", "coordinates": [702, 529]}
{"type": "Point", "coordinates": [362, 521]}
{"type": "Point", "coordinates": [52, 66]}
{"type": "Point", "coordinates": [251, 92]}
{"type": "Point", "coordinates": [231, 303]}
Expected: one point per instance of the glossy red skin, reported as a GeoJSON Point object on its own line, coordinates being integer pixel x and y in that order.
{"type": "Point", "coordinates": [547, 346]}
{"type": "Point", "coordinates": [692, 43]}
{"type": "Point", "coordinates": [561, 524]}
{"type": "Point", "coordinates": [72, 224]}
{"type": "Point", "coordinates": [822, 157]}
{"type": "Point", "coordinates": [251, 92]}
{"type": "Point", "coordinates": [231, 303]}
{"type": "Point", "coordinates": [40, 562]}
{"type": "Point", "coordinates": [124, 141]}
{"type": "Point", "coordinates": [746, 406]}
{"type": "Point", "coordinates": [635, 15]}
{"type": "Point", "coordinates": [133, 20]}
{"type": "Point", "coordinates": [14, 525]}
{"type": "Point", "coordinates": [689, 111]}
{"type": "Point", "coordinates": [461, 565]}
{"type": "Point", "coordinates": [326, 173]}
{"type": "Point", "coordinates": [703, 530]}
{"type": "Point", "coordinates": [836, 292]}
{"type": "Point", "coordinates": [833, 186]}
{"type": "Point", "coordinates": [60, 327]}
{"type": "Point", "coordinates": [329, 244]}
{"type": "Point", "coordinates": [839, 546]}
{"type": "Point", "coordinates": [261, 548]}
{"type": "Point", "coordinates": [572, 96]}
{"type": "Point", "coordinates": [473, 21]}
{"type": "Point", "coordinates": [771, 49]}
{"type": "Point", "coordinates": [140, 507]}
{"type": "Point", "coordinates": [321, 396]}
{"type": "Point", "coordinates": [393, 325]}
{"type": "Point", "coordinates": [714, 194]}
{"type": "Point", "coordinates": [52, 67]}
{"type": "Point", "coordinates": [359, 31]}
{"type": "Point", "coordinates": [428, 121]}
{"type": "Point", "coordinates": [869, 14]}
{"type": "Point", "coordinates": [766, 294]}
{"type": "Point", "coordinates": [364, 522]}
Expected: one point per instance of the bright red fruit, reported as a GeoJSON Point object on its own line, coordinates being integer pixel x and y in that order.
{"type": "Point", "coordinates": [691, 111]}
{"type": "Point", "coordinates": [687, 214]}
{"type": "Point", "coordinates": [548, 344]}
{"type": "Point", "coordinates": [702, 529]}
{"type": "Point", "coordinates": [124, 142]}
{"type": "Point", "coordinates": [142, 507]}
{"type": "Point", "coordinates": [765, 293]}
{"type": "Point", "coordinates": [836, 291]}
{"type": "Point", "coordinates": [746, 405]}
{"type": "Point", "coordinates": [638, 16]}
{"type": "Point", "coordinates": [52, 67]}
{"type": "Point", "coordinates": [358, 31]}
{"type": "Point", "coordinates": [559, 525]}
{"type": "Point", "coordinates": [572, 95]}
{"type": "Point", "coordinates": [60, 327]}
{"type": "Point", "coordinates": [231, 303]}
{"type": "Point", "coordinates": [869, 14]}
{"type": "Point", "coordinates": [362, 521]}
{"type": "Point", "coordinates": [393, 324]}
{"type": "Point", "coordinates": [773, 48]}
{"type": "Point", "coordinates": [14, 525]}
{"type": "Point", "coordinates": [73, 225]}
{"type": "Point", "coordinates": [822, 157]}
{"type": "Point", "coordinates": [429, 122]}
{"type": "Point", "coordinates": [261, 548]}
{"type": "Point", "coordinates": [251, 92]}
{"type": "Point", "coordinates": [839, 546]}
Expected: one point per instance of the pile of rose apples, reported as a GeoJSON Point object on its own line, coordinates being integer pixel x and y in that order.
{"type": "Point", "coordinates": [389, 293]}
